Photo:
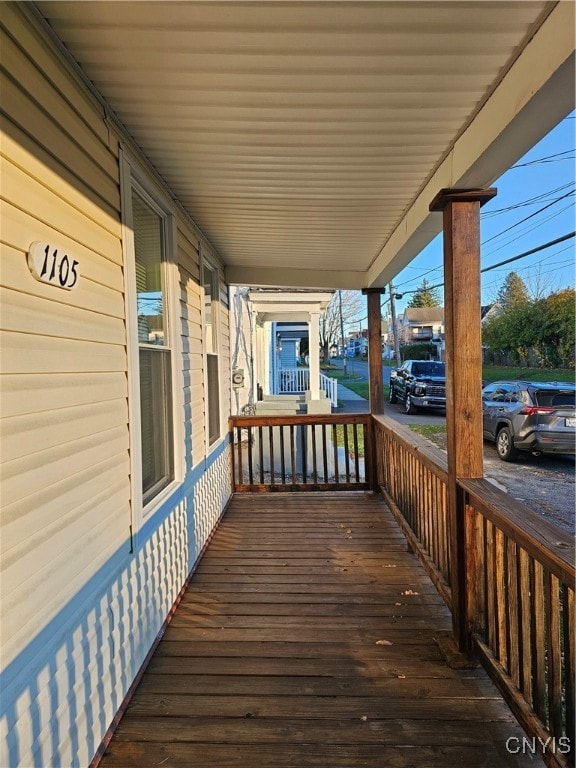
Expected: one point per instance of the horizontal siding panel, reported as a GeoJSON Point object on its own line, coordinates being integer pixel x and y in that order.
{"type": "Point", "coordinates": [32, 473]}
{"type": "Point", "coordinates": [42, 95]}
{"type": "Point", "coordinates": [49, 546]}
{"type": "Point", "coordinates": [188, 238]}
{"type": "Point", "coordinates": [23, 353]}
{"type": "Point", "coordinates": [37, 393]}
{"type": "Point", "coordinates": [31, 118]}
{"type": "Point", "coordinates": [188, 262]}
{"type": "Point", "coordinates": [51, 587]}
{"type": "Point", "coordinates": [30, 39]}
{"type": "Point", "coordinates": [51, 506]}
{"type": "Point", "coordinates": [191, 345]}
{"type": "Point", "coordinates": [93, 193]}
{"type": "Point", "coordinates": [20, 229]}
{"type": "Point", "coordinates": [22, 435]}
{"type": "Point", "coordinates": [29, 195]}
{"type": "Point", "coordinates": [32, 314]}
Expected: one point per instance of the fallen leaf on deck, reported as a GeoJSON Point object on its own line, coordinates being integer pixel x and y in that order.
{"type": "Point", "coordinates": [383, 642]}
{"type": "Point", "coordinates": [409, 592]}
{"type": "Point", "coordinates": [402, 677]}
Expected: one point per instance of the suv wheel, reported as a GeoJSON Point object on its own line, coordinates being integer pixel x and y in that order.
{"type": "Point", "coordinates": [409, 406]}
{"type": "Point", "coordinates": [393, 397]}
{"type": "Point", "coordinates": [505, 445]}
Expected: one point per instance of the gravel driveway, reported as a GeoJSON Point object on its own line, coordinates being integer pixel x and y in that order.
{"type": "Point", "coordinates": [546, 484]}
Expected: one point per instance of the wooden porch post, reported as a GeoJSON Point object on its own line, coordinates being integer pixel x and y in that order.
{"type": "Point", "coordinates": [375, 349]}
{"type": "Point", "coordinates": [461, 210]}
{"type": "Point", "coordinates": [375, 387]}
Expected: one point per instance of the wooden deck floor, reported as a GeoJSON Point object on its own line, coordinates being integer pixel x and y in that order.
{"type": "Point", "coordinates": [306, 639]}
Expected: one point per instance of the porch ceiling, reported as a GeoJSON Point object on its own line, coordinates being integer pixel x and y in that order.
{"type": "Point", "coordinates": [307, 139]}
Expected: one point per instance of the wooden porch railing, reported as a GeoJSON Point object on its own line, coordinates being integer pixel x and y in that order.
{"type": "Point", "coordinates": [520, 611]}
{"type": "Point", "coordinates": [301, 453]}
{"type": "Point", "coordinates": [518, 579]}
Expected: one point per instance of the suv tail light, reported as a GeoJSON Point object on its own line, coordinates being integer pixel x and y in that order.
{"type": "Point", "coordinates": [532, 410]}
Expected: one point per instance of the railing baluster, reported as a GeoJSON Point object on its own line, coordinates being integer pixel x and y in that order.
{"type": "Point", "coordinates": [501, 597]}
{"type": "Point", "coordinates": [324, 453]}
{"type": "Point", "coordinates": [539, 647]}
{"type": "Point", "coordinates": [552, 603]}
{"type": "Point", "coordinates": [282, 458]}
{"type": "Point", "coordinates": [569, 633]}
{"type": "Point", "coordinates": [240, 463]}
{"type": "Point", "coordinates": [335, 451]}
{"type": "Point", "coordinates": [356, 457]}
{"type": "Point", "coordinates": [261, 448]}
{"type": "Point", "coordinates": [271, 451]}
{"type": "Point", "coordinates": [346, 452]}
{"type": "Point", "coordinates": [525, 626]}
{"type": "Point", "coordinates": [292, 454]}
{"type": "Point", "coordinates": [250, 459]}
{"type": "Point", "coordinates": [490, 584]}
{"type": "Point", "coordinates": [314, 461]}
{"type": "Point", "coordinates": [303, 444]}
{"type": "Point", "coordinates": [513, 623]}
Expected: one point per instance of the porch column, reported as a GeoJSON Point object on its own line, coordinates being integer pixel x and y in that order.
{"type": "Point", "coordinates": [461, 211]}
{"type": "Point", "coordinates": [314, 355]}
{"type": "Point", "coordinates": [375, 349]}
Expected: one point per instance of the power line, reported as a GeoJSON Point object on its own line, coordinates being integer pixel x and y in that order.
{"type": "Point", "coordinates": [512, 258]}
{"type": "Point", "coordinates": [546, 159]}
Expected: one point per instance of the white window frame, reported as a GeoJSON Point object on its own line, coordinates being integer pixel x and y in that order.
{"type": "Point", "coordinates": [134, 178]}
{"type": "Point", "coordinates": [205, 261]}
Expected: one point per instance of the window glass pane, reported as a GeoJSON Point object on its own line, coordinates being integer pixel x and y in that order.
{"type": "Point", "coordinates": [155, 358]}
{"type": "Point", "coordinates": [148, 240]}
{"type": "Point", "coordinates": [209, 282]}
{"type": "Point", "coordinates": [156, 422]}
{"type": "Point", "coordinates": [213, 398]}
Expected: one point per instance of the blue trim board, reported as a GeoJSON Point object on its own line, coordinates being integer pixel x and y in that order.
{"type": "Point", "coordinates": [21, 673]}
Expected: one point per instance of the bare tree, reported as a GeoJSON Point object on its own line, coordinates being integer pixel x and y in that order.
{"type": "Point", "coordinates": [331, 322]}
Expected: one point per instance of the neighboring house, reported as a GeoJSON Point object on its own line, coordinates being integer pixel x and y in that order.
{"type": "Point", "coordinates": [421, 324]}
{"type": "Point", "coordinates": [357, 344]}
{"type": "Point", "coordinates": [489, 311]}
{"type": "Point", "coordinates": [269, 329]}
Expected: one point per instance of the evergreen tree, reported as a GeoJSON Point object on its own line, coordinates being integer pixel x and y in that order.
{"type": "Point", "coordinates": [513, 291]}
{"type": "Point", "coordinates": [425, 296]}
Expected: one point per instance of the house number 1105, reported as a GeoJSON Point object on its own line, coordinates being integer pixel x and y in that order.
{"type": "Point", "coordinates": [53, 265]}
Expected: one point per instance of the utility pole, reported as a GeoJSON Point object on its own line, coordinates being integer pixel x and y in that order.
{"type": "Point", "coordinates": [342, 332]}
{"type": "Point", "coordinates": [395, 326]}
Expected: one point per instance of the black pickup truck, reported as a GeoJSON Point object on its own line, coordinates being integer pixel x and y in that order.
{"type": "Point", "coordinates": [419, 384]}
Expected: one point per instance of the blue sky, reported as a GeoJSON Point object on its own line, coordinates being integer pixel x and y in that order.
{"type": "Point", "coordinates": [546, 172]}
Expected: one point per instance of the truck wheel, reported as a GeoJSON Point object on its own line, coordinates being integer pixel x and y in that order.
{"type": "Point", "coordinates": [409, 406]}
{"type": "Point", "coordinates": [505, 445]}
{"type": "Point", "coordinates": [393, 397]}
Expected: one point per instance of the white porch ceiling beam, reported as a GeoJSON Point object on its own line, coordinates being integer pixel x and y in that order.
{"type": "Point", "coordinates": [295, 278]}
{"type": "Point", "coordinates": [534, 95]}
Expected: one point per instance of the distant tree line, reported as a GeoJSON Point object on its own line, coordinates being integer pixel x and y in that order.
{"type": "Point", "coordinates": [533, 330]}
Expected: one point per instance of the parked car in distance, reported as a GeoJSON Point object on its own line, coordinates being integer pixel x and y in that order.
{"type": "Point", "coordinates": [531, 416]}
{"type": "Point", "coordinates": [419, 384]}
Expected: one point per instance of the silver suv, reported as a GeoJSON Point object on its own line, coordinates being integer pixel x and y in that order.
{"type": "Point", "coordinates": [537, 417]}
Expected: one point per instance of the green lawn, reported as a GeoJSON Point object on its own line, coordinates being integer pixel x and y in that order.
{"type": "Point", "coordinates": [350, 381]}
{"type": "Point", "coordinates": [494, 373]}
{"type": "Point", "coordinates": [340, 438]}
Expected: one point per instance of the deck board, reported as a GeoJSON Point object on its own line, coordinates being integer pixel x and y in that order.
{"type": "Point", "coordinates": [306, 638]}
